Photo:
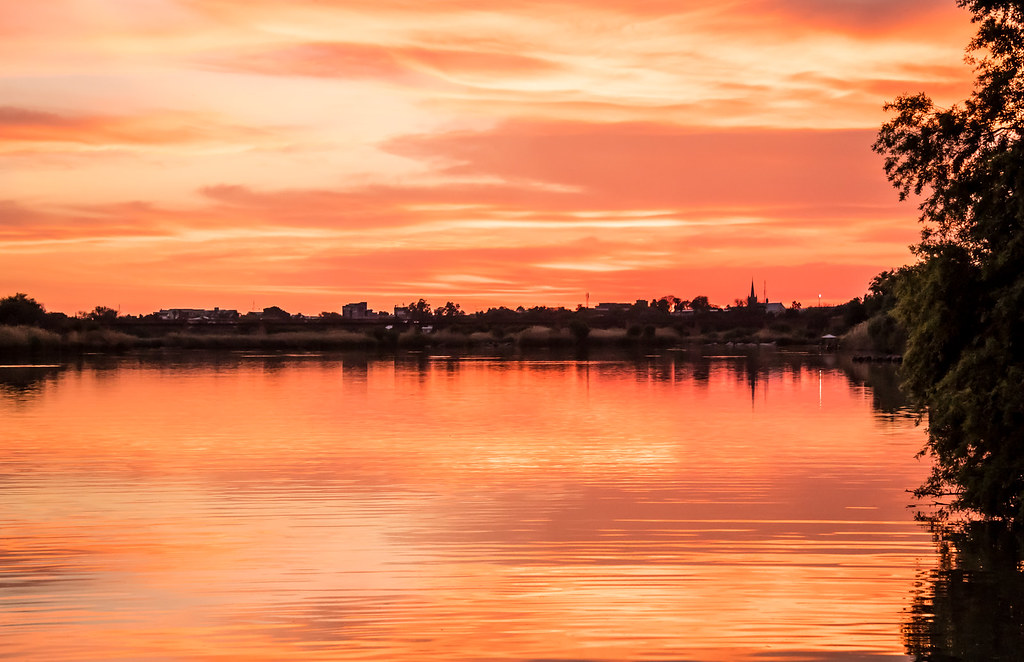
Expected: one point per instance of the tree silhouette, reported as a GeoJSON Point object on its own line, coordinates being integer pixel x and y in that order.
{"type": "Point", "coordinates": [700, 303]}
{"type": "Point", "coordinates": [102, 314]}
{"type": "Point", "coordinates": [419, 311]}
{"type": "Point", "coordinates": [20, 309]}
{"type": "Point", "coordinates": [449, 310]}
{"type": "Point", "coordinates": [961, 303]}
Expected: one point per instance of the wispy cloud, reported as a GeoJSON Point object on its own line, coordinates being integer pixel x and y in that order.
{"type": "Point", "coordinates": [356, 60]}
{"type": "Point", "coordinates": [28, 125]}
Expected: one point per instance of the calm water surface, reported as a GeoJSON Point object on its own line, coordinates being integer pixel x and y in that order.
{"type": "Point", "coordinates": [246, 507]}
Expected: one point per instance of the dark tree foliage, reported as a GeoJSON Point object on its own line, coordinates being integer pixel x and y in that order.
{"type": "Point", "coordinates": [450, 310]}
{"type": "Point", "coordinates": [853, 312]}
{"type": "Point", "coordinates": [962, 304]}
{"type": "Point", "coordinates": [700, 303]}
{"type": "Point", "coordinates": [579, 330]}
{"type": "Point", "coordinates": [21, 309]}
{"type": "Point", "coordinates": [103, 314]}
{"type": "Point", "coordinates": [881, 296]}
{"type": "Point", "coordinates": [666, 304]}
{"type": "Point", "coordinates": [420, 311]}
{"type": "Point", "coordinates": [661, 306]}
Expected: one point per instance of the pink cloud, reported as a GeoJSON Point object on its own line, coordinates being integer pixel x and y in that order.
{"type": "Point", "coordinates": [353, 60]}
{"type": "Point", "coordinates": [560, 176]}
{"type": "Point", "coordinates": [867, 13]}
{"type": "Point", "coordinates": [635, 165]}
{"type": "Point", "coordinates": [20, 223]}
{"type": "Point", "coordinates": [21, 125]}
{"type": "Point", "coordinates": [864, 16]}
{"type": "Point", "coordinates": [322, 60]}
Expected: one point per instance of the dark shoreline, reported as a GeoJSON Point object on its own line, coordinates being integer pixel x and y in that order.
{"type": "Point", "coordinates": [32, 341]}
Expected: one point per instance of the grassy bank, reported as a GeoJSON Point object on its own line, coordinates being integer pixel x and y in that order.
{"type": "Point", "coordinates": [32, 340]}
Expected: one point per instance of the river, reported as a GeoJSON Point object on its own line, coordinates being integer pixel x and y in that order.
{"type": "Point", "coordinates": [683, 505]}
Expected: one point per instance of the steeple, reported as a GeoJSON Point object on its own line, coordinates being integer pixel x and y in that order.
{"type": "Point", "coordinates": [752, 299]}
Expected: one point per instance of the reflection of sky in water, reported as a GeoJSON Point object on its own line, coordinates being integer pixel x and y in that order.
{"type": "Point", "coordinates": [361, 508]}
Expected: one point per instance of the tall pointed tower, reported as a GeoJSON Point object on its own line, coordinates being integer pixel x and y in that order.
{"type": "Point", "coordinates": [752, 299]}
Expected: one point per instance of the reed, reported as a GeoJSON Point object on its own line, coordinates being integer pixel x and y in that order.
{"type": "Point", "coordinates": [543, 336]}
{"type": "Point", "coordinates": [858, 338]}
{"type": "Point", "coordinates": [28, 338]}
{"type": "Point", "coordinates": [102, 339]}
{"type": "Point", "coordinates": [25, 339]}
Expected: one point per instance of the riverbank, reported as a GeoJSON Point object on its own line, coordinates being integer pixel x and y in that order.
{"type": "Point", "coordinates": [33, 340]}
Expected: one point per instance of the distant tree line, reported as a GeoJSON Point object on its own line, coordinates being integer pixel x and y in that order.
{"type": "Point", "coordinates": [22, 310]}
{"type": "Point", "coordinates": [691, 317]}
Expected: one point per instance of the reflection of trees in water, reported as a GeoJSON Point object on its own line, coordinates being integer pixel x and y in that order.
{"type": "Point", "coordinates": [883, 381]}
{"type": "Point", "coordinates": [24, 381]}
{"type": "Point", "coordinates": [971, 607]}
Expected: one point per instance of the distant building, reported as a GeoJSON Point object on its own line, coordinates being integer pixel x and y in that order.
{"type": "Point", "coordinates": [223, 314]}
{"type": "Point", "coordinates": [752, 298]}
{"type": "Point", "coordinates": [613, 307]}
{"type": "Point", "coordinates": [355, 311]}
{"type": "Point", "coordinates": [275, 313]}
{"type": "Point", "coordinates": [197, 315]}
{"type": "Point", "coordinates": [766, 306]}
{"type": "Point", "coordinates": [180, 314]}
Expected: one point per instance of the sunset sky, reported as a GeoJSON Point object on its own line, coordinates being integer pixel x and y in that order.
{"type": "Point", "coordinates": [309, 153]}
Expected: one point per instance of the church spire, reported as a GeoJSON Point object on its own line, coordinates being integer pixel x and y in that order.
{"type": "Point", "coordinates": [752, 299]}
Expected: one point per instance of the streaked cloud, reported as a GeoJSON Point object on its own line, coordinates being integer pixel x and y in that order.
{"type": "Point", "coordinates": [355, 60]}
{"type": "Point", "coordinates": [28, 125]}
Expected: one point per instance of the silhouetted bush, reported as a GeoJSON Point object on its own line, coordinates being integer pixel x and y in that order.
{"type": "Point", "coordinates": [580, 330]}
{"type": "Point", "coordinates": [21, 310]}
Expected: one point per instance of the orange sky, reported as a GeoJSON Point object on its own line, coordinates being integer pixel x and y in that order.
{"type": "Point", "coordinates": [308, 153]}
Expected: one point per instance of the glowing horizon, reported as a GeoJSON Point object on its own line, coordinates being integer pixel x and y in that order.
{"type": "Point", "coordinates": [311, 153]}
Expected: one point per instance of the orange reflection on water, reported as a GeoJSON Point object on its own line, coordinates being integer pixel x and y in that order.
{"type": "Point", "coordinates": [441, 508]}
